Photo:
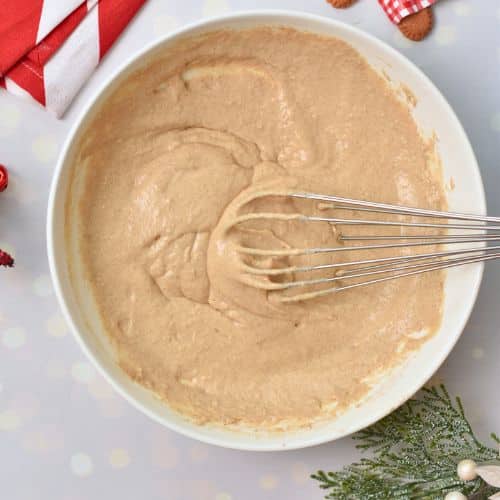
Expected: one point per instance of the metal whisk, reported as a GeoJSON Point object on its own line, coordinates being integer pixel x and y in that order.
{"type": "Point", "coordinates": [466, 229]}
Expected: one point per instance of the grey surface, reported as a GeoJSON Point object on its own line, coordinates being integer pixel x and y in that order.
{"type": "Point", "coordinates": [60, 422]}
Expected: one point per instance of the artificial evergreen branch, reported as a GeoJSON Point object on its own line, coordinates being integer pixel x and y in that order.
{"type": "Point", "coordinates": [415, 450]}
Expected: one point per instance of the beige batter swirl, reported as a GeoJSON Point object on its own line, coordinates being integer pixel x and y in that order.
{"type": "Point", "coordinates": [168, 159]}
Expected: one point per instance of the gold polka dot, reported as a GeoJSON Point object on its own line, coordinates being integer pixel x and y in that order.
{"type": "Point", "coordinates": [215, 7]}
{"type": "Point", "coordinates": [119, 458]}
{"type": "Point", "coordinates": [268, 482]}
{"type": "Point", "coordinates": [35, 442]}
{"type": "Point", "coordinates": [223, 496]}
{"type": "Point", "coordinates": [495, 121]}
{"type": "Point", "coordinates": [100, 389]}
{"type": "Point", "coordinates": [198, 453]}
{"type": "Point", "coordinates": [164, 455]}
{"type": "Point", "coordinates": [461, 8]}
{"type": "Point", "coordinates": [10, 116]}
{"type": "Point", "coordinates": [45, 439]}
{"type": "Point", "coordinates": [446, 35]}
{"type": "Point", "coordinates": [44, 148]}
{"type": "Point", "coordinates": [300, 473]}
{"type": "Point", "coordinates": [164, 23]}
{"type": "Point", "coordinates": [9, 421]}
{"type": "Point", "coordinates": [478, 353]}
{"type": "Point", "coordinates": [57, 326]}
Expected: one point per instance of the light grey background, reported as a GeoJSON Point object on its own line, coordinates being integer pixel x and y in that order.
{"type": "Point", "coordinates": [64, 434]}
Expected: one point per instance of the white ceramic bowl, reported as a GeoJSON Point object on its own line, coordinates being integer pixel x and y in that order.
{"type": "Point", "coordinates": [432, 114]}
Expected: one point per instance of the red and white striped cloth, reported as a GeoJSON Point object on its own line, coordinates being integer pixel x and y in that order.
{"type": "Point", "coordinates": [399, 9]}
{"type": "Point", "coordinates": [49, 48]}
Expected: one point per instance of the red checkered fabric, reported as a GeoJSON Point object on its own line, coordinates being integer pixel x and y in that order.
{"type": "Point", "coordinates": [49, 48]}
{"type": "Point", "coordinates": [398, 9]}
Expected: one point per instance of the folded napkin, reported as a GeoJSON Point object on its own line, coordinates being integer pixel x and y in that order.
{"type": "Point", "coordinates": [49, 48]}
{"type": "Point", "coordinates": [399, 9]}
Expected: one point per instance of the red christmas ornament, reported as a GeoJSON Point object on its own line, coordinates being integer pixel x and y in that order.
{"type": "Point", "coordinates": [4, 178]}
{"type": "Point", "coordinates": [5, 259]}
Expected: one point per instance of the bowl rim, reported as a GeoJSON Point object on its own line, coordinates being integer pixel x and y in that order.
{"type": "Point", "coordinates": [54, 267]}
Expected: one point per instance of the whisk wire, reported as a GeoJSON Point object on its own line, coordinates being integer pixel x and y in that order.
{"type": "Point", "coordinates": [348, 204]}
{"type": "Point", "coordinates": [474, 229]}
{"type": "Point", "coordinates": [311, 295]}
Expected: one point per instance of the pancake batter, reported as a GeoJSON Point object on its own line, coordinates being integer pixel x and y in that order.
{"type": "Point", "coordinates": [167, 160]}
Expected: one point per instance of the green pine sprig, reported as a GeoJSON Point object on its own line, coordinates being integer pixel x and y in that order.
{"type": "Point", "coordinates": [416, 450]}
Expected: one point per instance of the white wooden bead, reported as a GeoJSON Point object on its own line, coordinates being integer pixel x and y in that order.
{"type": "Point", "coordinates": [455, 495]}
{"type": "Point", "coordinates": [466, 470]}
